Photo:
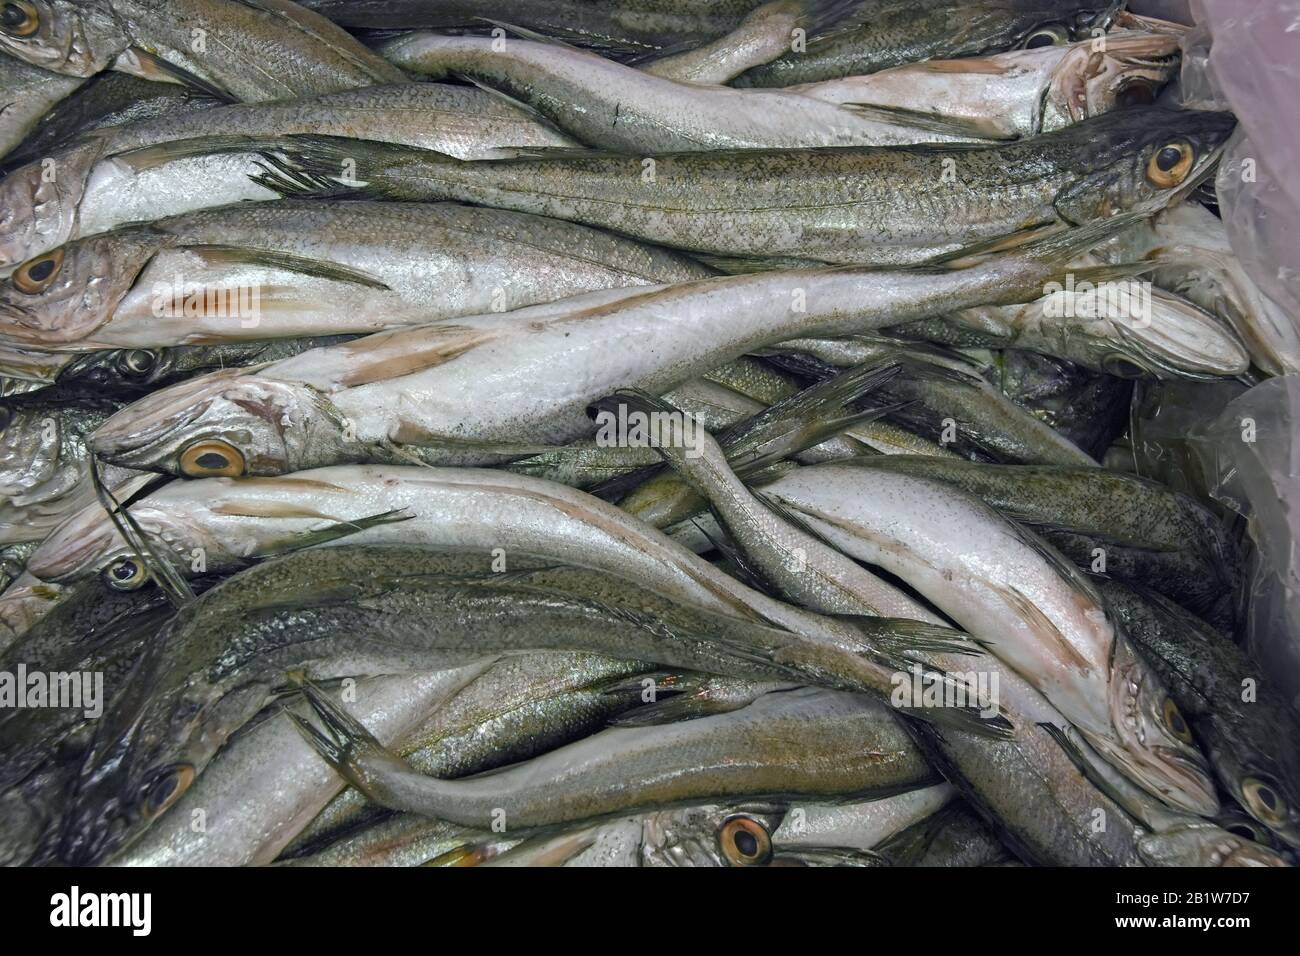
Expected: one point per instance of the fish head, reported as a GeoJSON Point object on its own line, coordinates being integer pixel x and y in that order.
{"type": "Point", "coordinates": [1264, 785]}
{"type": "Point", "coordinates": [1136, 160]}
{"type": "Point", "coordinates": [1152, 741]}
{"type": "Point", "coordinates": [64, 295]}
{"type": "Point", "coordinates": [39, 202]}
{"type": "Point", "coordinates": [232, 423]}
{"type": "Point", "coordinates": [72, 37]}
{"type": "Point", "coordinates": [88, 542]}
{"type": "Point", "coordinates": [150, 746]}
{"type": "Point", "coordinates": [710, 835]}
{"type": "Point", "coordinates": [1203, 843]}
{"type": "Point", "coordinates": [1111, 72]}
{"type": "Point", "coordinates": [1129, 328]}
{"type": "Point", "coordinates": [1035, 23]}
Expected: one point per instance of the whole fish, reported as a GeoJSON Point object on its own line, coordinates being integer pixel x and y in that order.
{"type": "Point", "coordinates": [609, 105]}
{"type": "Point", "coordinates": [479, 388]}
{"type": "Point", "coordinates": [301, 268]}
{"type": "Point", "coordinates": [1143, 531]}
{"type": "Point", "coordinates": [174, 164]}
{"type": "Point", "coordinates": [1234, 710]}
{"type": "Point", "coordinates": [268, 782]}
{"type": "Point", "coordinates": [888, 33]}
{"type": "Point", "coordinates": [883, 206]}
{"type": "Point", "coordinates": [519, 707]}
{"type": "Point", "coordinates": [29, 94]}
{"type": "Point", "coordinates": [1041, 616]}
{"type": "Point", "coordinates": [371, 611]}
{"type": "Point", "coordinates": [805, 742]}
{"type": "Point", "coordinates": [1017, 94]}
{"type": "Point", "coordinates": [246, 50]}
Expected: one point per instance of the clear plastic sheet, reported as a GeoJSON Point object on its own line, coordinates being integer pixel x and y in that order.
{"type": "Point", "coordinates": [1234, 445]}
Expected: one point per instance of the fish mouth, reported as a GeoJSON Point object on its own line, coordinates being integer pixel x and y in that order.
{"type": "Point", "coordinates": [1183, 342]}
{"type": "Point", "coordinates": [1180, 780]}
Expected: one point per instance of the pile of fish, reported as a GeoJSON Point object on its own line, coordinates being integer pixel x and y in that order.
{"type": "Point", "coordinates": [617, 433]}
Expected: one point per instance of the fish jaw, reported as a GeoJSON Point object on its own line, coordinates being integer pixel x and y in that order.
{"type": "Point", "coordinates": [39, 203]}
{"type": "Point", "coordinates": [1142, 744]}
{"type": "Point", "coordinates": [268, 427]}
{"type": "Point", "coordinates": [72, 38]}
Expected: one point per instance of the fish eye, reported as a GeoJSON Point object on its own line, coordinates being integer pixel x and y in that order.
{"type": "Point", "coordinates": [136, 362]}
{"type": "Point", "coordinates": [1170, 164]}
{"type": "Point", "coordinates": [212, 458]}
{"type": "Point", "coordinates": [166, 788]}
{"type": "Point", "coordinates": [1135, 94]}
{"type": "Point", "coordinates": [1174, 721]}
{"type": "Point", "coordinates": [19, 18]}
{"type": "Point", "coordinates": [1045, 36]}
{"type": "Point", "coordinates": [744, 841]}
{"type": "Point", "coordinates": [125, 574]}
{"type": "Point", "coordinates": [1263, 800]}
{"type": "Point", "coordinates": [36, 275]}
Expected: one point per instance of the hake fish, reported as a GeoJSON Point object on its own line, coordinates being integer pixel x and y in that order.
{"type": "Point", "coordinates": [883, 206]}
{"type": "Point", "coordinates": [300, 268]}
{"type": "Point", "coordinates": [174, 164]}
{"type": "Point", "coordinates": [469, 390]}
{"type": "Point", "coordinates": [247, 50]}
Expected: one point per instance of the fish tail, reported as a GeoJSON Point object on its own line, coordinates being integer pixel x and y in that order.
{"type": "Point", "coordinates": [316, 166]}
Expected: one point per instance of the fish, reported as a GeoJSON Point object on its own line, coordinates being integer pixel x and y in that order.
{"type": "Point", "coordinates": [943, 397]}
{"type": "Point", "coordinates": [952, 836]}
{"type": "Point", "coordinates": [93, 630]}
{"type": "Point", "coordinates": [1020, 93]}
{"type": "Point", "coordinates": [301, 268]}
{"type": "Point", "coordinates": [373, 611]}
{"type": "Point", "coordinates": [519, 707]}
{"type": "Point", "coordinates": [608, 105]}
{"type": "Point", "coordinates": [267, 782]}
{"type": "Point", "coordinates": [888, 33]}
{"type": "Point", "coordinates": [798, 567]}
{"type": "Point", "coordinates": [1235, 711]}
{"type": "Point", "coordinates": [250, 50]}
{"type": "Point", "coordinates": [1128, 331]}
{"type": "Point", "coordinates": [763, 35]}
{"type": "Point", "coordinates": [1144, 531]}
{"type": "Point", "coordinates": [862, 825]}
{"type": "Point", "coordinates": [759, 208]}
{"type": "Point", "coordinates": [173, 164]}
{"type": "Point", "coordinates": [506, 520]}
{"type": "Point", "coordinates": [407, 840]}
{"type": "Point", "coordinates": [108, 99]}
{"type": "Point", "coordinates": [44, 463]}
{"type": "Point", "coordinates": [30, 93]}
{"type": "Point", "coordinates": [845, 744]}
{"type": "Point", "coordinates": [1194, 260]}
{"type": "Point", "coordinates": [624, 28]}
{"type": "Point", "coordinates": [1038, 614]}
{"type": "Point", "coordinates": [482, 389]}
